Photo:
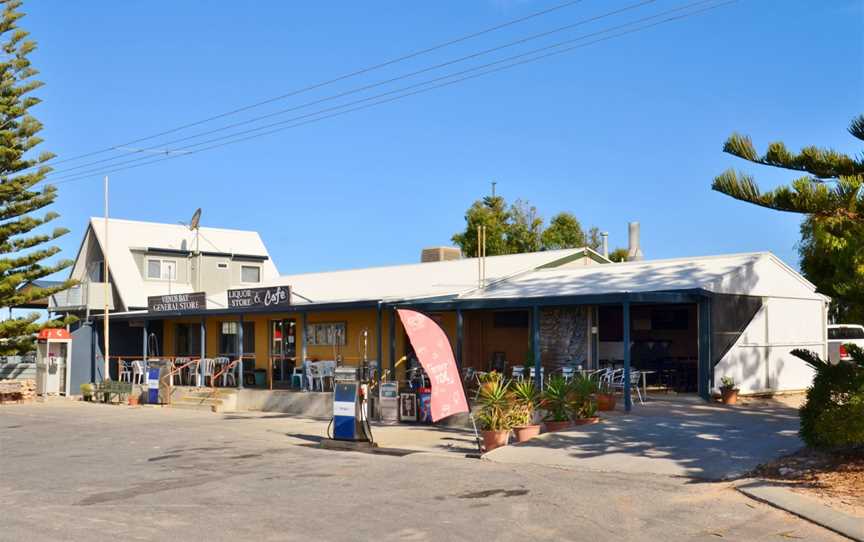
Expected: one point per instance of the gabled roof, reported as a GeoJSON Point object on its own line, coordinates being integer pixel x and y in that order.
{"type": "Point", "coordinates": [757, 274]}
{"type": "Point", "coordinates": [420, 280]}
{"type": "Point", "coordinates": [126, 235]}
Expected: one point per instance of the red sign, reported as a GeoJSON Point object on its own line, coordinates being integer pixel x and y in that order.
{"type": "Point", "coordinates": [433, 350]}
{"type": "Point", "coordinates": [54, 334]}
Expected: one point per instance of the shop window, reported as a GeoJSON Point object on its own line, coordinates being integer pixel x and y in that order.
{"type": "Point", "coordinates": [670, 319]}
{"type": "Point", "coordinates": [250, 273]}
{"type": "Point", "coordinates": [229, 334]}
{"type": "Point", "coordinates": [188, 340]}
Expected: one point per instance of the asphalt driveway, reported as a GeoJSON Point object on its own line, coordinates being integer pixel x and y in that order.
{"type": "Point", "coordinates": [676, 437]}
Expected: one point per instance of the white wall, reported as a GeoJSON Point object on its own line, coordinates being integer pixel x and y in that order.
{"type": "Point", "coordinates": [760, 361]}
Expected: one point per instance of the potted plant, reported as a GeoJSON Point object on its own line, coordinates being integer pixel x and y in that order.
{"type": "Point", "coordinates": [496, 412]}
{"type": "Point", "coordinates": [525, 398]}
{"type": "Point", "coordinates": [728, 391]}
{"type": "Point", "coordinates": [488, 380]}
{"type": "Point", "coordinates": [582, 404]}
{"type": "Point", "coordinates": [133, 399]}
{"type": "Point", "coordinates": [555, 400]}
{"type": "Point", "coordinates": [87, 390]}
{"type": "Point", "coordinates": [605, 396]}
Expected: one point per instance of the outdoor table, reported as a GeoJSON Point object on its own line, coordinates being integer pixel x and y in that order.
{"type": "Point", "coordinates": [645, 382]}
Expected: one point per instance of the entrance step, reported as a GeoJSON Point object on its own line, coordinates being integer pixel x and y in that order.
{"type": "Point", "coordinates": [204, 399]}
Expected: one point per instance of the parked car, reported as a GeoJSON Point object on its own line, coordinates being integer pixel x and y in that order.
{"type": "Point", "coordinates": [841, 334]}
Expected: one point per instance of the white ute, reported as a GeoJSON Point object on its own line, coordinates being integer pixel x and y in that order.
{"type": "Point", "coordinates": [841, 334]}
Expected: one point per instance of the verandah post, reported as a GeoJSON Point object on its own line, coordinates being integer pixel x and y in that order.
{"type": "Point", "coordinates": [459, 337]}
{"type": "Point", "coordinates": [240, 354]}
{"type": "Point", "coordinates": [203, 350]}
{"type": "Point", "coordinates": [628, 402]}
{"type": "Point", "coordinates": [535, 345]}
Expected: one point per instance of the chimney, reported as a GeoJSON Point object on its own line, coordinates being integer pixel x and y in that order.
{"type": "Point", "coordinates": [605, 245]}
{"type": "Point", "coordinates": [440, 254]}
{"type": "Point", "coordinates": [634, 252]}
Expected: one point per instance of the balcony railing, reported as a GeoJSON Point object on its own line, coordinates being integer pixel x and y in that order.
{"type": "Point", "coordinates": [82, 296]}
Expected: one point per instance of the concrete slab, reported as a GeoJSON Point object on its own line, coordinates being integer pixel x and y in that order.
{"type": "Point", "coordinates": [675, 437]}
{"type": "Point", "coordinates": [806, 507]}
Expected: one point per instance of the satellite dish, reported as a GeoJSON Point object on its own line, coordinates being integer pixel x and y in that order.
{"type": "Point", "coordinates": [196, 219]}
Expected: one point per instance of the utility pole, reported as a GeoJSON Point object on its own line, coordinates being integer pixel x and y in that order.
{"type": "Point", "coordinates": [106, 356]}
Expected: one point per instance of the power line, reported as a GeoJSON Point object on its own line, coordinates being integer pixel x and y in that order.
{"type": "Point", "coordinates": [365, 87]}
{"type": "Point", "coordinates": [81, 176]}
{"type": "Point", "coordinates": [337, 79]}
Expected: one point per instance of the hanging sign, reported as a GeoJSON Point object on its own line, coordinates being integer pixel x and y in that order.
{"type": "Point", "coordinates": [248, 298]}
{"type": "Point", "coordinates": [177, 302]}
{"type": "Point", "coordinates": [436, 356]}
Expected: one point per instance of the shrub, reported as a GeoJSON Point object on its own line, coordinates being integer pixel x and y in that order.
{"type": "Point", "coordinates": [525, 398]}
{"type": "Point", "coordinates": [496, 411]}
{"type": "Point", "coordinates": [582, 403]}
{"type": "Point", "coordinates": [833, 415]}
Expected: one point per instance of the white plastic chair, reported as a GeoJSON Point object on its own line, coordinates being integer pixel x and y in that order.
{"type": "Point", "coordinates": [177, 372]}
{"type": "Point", "coordinates": [139, 371]}
{"type": "Point", "coordinates": [207, 366]}
{"type": "Point", "coordinates": [568, 372]}
{"type": "Point", "coordinates": [125, 371]}
{"type": "Point", "coordinates": [315, 376]}
{"type": "Point", "coordinates": [517, 372]}
{"type": "Point", "coordinates": [219, 364]}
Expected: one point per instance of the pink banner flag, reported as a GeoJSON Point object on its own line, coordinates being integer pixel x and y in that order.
{"type": "Point", "coordinates": [433, 350]}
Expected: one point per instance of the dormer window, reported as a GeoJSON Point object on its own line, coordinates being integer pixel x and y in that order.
{"type": "Point", "coordinates": [159, 269]}
{"type": "Point", "coordinates": [250, 274]}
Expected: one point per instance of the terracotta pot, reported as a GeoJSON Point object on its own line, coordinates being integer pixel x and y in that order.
{"type": "Point", "coordinates": [552, 426]}
{"type": "Point", "coordinates": [605, 401]}
{"type": "Point", "coordinates": [586, 421]}
{"type": "Point", "coordinates": [526, 432]}
{"type": "Point", "coordinates": [494, 439]}
{"type": "Point", "coordinates": [133, 400]}
{"type": "Point", "coordinates": [729, 396]}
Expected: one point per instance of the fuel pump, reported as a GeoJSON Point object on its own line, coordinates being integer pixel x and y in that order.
{"type": "Point", "coordinates": [350, 408]}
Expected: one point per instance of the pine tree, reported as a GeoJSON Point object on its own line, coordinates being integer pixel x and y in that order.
{"type": "Point", "coordinates": [23, 250]}
{"type": "Point", "coordinates": [831, 194]}
{"type": "Point", "coordinates": [831, 186]}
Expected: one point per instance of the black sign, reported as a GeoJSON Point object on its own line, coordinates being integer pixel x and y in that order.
{"type": "Point", "coordinates": [177, 302]}
{"type": "Point", "coordinates": [276, 296]}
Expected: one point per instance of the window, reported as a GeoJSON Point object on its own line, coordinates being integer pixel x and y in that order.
{"type": "Point", "coordinates": [250, 273]}
{"type": "Point", "coordinates": [161, 269]}
{"type": "Point", "coordinates": [228, 338]}
{"type": "Point", "coordinates": [188, 339]}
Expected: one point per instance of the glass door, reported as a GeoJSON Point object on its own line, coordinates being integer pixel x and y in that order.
{"type": "Point", "coordinates": [283, 350]}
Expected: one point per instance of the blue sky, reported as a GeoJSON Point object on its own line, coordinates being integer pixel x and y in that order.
{"type": "Point", "coordinates": [627, 129]}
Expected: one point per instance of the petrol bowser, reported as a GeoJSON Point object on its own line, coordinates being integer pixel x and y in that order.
{"type": "Point", "coordinates": [52, 361]}
{"type": "Point", "coordinates": [350, 410]}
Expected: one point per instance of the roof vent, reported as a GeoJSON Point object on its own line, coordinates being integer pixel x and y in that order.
{"type": "Point", "coordinates": [440, 254]}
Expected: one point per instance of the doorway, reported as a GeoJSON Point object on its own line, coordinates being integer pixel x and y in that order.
{"type": "Point", "coordinates": [283, 351]}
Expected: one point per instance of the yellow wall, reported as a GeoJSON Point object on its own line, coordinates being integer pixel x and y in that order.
{"type": "Point", "coordinates": [356, 320]}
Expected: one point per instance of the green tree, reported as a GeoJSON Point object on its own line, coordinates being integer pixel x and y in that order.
{"type": "Point", "coordinates": [832, 256]}
{"type": "Point", "coordinates": [491, 212]}
{"type": "Point", "coordinates": [23, 253]}
{"type": "Point", "coordinates": [524, 228]}
{"type": "Point", "coordinates": [830, 193]}
{"type": "Point", "coordinates": [564, 231]}
{"type": "Point", "coordinates": [618, 255]}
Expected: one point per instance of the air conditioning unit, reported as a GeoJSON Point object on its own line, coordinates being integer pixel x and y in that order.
{"type": "Point", "coordinates": [440, 254]}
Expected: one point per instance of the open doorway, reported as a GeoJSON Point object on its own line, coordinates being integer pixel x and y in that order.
{"type": "Point", "coordinates": [664, 343]}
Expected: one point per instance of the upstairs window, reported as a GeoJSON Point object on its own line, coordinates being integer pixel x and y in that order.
{"type": "Point", "coordinates": [250, 273]}
{"type": "Point", "coordinates": [161, 269]}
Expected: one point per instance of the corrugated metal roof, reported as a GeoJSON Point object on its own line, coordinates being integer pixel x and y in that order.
{"type": "Point", "coordinates": [418, 280]}
{"type": "Point", "coordinates": [759, 273]}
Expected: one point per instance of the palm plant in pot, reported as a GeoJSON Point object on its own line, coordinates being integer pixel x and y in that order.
{"type": "Point", "coordinates": [555, 400]}
{"type": "Point", "coordinates": [496, 412]}
{"type": "Point", "coordinates": [582, 403]}
{"type": "Point", "coordinates": [525, 399]}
